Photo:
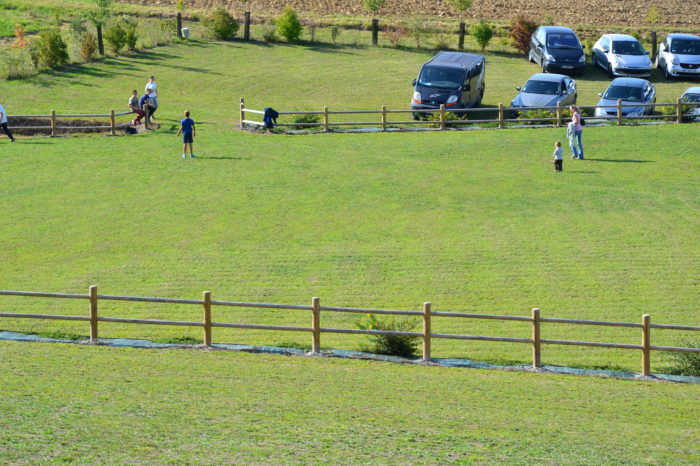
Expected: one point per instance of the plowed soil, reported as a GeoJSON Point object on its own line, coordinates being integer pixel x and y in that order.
{"type": "Point", "coordinates": [679, 13]}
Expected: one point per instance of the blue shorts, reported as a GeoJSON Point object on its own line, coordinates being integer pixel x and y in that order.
{"type": "Point", "coordinates": [187, 137]}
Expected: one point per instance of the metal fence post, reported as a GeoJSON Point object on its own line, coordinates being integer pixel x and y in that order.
{"type": "Point", "coordinates": [93, 314]}
{"type": "Point", "coordinates": [426, 331]}
{"type": "Point", "coordinates": [536, 341]}
{"type": "Point", "coordinates": [316, 325]}
{"type": "Point", "coordinates": [646, 345]}
{"type": "Point", "coordinates": [207, 318]}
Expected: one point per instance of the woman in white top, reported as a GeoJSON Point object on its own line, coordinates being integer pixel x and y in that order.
{"type": "Point", "coordinates": [151, 84]}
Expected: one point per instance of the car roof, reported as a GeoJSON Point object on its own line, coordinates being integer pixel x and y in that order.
{"type": "Point", "coordinates": [553, 77]}
{"type": "Point", "coordinates": [558, 29]}
{"type": "Point", "coordinates": [692, 90]}
{"type": "Point", "coordinates": [458, 60]}
{"type": "Point", "coordinates": [629, 82]}
{"type": "Point", "coordinates": [677, 35]}
{"type": "Point", "coordinates": [615, 37]}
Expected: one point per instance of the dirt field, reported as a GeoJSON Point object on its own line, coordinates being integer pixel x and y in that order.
{"type": "Point", "coordinates": [680, 13]}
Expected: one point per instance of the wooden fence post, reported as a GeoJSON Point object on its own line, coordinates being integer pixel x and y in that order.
{"type": "Point", "coordinates": [679, 111]}
{"type": "Point", "coordinates": [112, 123]}
{"type": "Point", "coordinates": [653, 45]}
{"type": "Point", "coordinates": [442, 117]}
{"type": "Point", "coordinates": [460, 43]}
{"type": "Point", "coordinates": [207, 318]}
{"type": "Point", "coordinates": [426, 331]}
{"type": "Point", "coordinates": [559, 115]}
{"type": "Point", "coordinates": [53, 122]}
{"type": "Point", "coordinates": [93, 314]}
{"type": "Point", "coordinates": [536, 342]}
{"type": "Point", "coordinates": [179, 25]}
{"type": "Point", "coordinates": [325, 119]}
{"type": "Point", "coordinates": [500, 115]}
{"type": "Point", "coordinates": [619, 111]}
{"type": "Point", "coordinates": [147, 116]}
{"type": "Point", "coordinates": [375, 32]}
{"type": "Point", "coordinates": [242, 116]}
{"type": "Point", "coordinates": [316, 325]}
{"type": "Point", "coordinates": [246, 25]}
{"type": "Point", "coordinates": [646, 345]}
{"type": "Point", "coordinates": [383, 117]}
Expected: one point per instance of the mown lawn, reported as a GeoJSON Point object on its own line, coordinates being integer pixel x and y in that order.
{"type": "Point", "coordinates": [64, 403]}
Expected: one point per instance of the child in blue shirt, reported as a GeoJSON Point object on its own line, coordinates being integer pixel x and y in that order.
{"type": "Point", "coordinates": [188, 133]}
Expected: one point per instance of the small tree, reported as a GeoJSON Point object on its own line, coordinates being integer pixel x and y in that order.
{"type": "Point", "coordinates": [88, 46]}
{"type": "Point", "coordinates": [221, 25]}
{"type": "Point", "coordinates": [115, 35]}
{"type": "Point", "coordinates": [653, 16]}
{"type": "Point", "coordinates": [99, 17]}
{"type": "Point", "coordinates": [288, 25]}
{"type": "Point", "coordinates": [373, 6]}
{"type": "Point", "coordinates": [482, 32]}
{"type": "Point", "coordinates": [51, 50]}
{"type": "Point", "coordinates": [461, 6]}
{"type": "Point", "coordinates": [521, 30]}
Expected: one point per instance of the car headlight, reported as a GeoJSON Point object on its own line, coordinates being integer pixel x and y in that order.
{"type": "Point", "coordinates": [549, 56]}
{"type": "Point", "coordinates": [417, 97]}
{"type": "Point", "coordinates": [452, 99]}
{"type": "Point", "coordinates": [675, 61]}
{"type": "Point", "coordinates": [582, 59]}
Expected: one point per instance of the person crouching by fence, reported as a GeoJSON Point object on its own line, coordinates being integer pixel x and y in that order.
{"type": "Point", "coordinates": [3, 124]}
{"type": "Point", "coordinates": [136, 108]}
{"type": "Point", "coordinates": [146, 105]}
{"type": "Point", "coordinates": [188, 132]}
{"type": "Point", "coordinates": [558, 157]}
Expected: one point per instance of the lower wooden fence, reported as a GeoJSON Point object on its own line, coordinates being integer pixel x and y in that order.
{"type": "Point", "coordinates": [536, 321]}
{"type": "Point", "coordinates": [50, 122]}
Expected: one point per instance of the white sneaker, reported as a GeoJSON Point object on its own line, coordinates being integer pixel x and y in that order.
{"type": "Point", "coordinates": [184, 156]}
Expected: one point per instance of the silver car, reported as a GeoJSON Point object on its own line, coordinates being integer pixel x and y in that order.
{"type": "Point", "coordinates": [691, 96]}
{"type": "Point", "coordinates": [545, 90]}
{"type": "Point", "coordinates": [621, 55]}
{"type": "Point", "coordinates": [679, 55]}
{"type": "Point", "coordinates": [630, 91]}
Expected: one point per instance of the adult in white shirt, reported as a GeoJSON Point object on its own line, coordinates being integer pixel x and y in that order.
{"type": "Point", "coordinates": [3, 123]}
{"type": "Point", "coordinates": [151, 84]}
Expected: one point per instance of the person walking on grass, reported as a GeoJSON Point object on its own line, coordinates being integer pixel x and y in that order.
{"type": "Point", "coordinates": [151, 85]}
{"type": "Point", "coordinates": [136, 108]}
{"type": "Point", "coordinates": [3, 124]}
{"type": "Point", "coordinates": [578, 127]}
{"type": "Point", "coordinates": [188, 133]}
{"type": "Point", "coordinates": [558, 157]}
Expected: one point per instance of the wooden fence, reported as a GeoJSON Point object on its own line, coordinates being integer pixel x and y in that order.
{"type": "Point", "coordinates": [427, 314]}
{"type": "Point", "coordinates": [504, 116]}
{"type": "Point", "coordinates": [111, 125]}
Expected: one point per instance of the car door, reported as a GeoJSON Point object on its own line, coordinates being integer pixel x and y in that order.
{"type": "Point", "coordinates": [567, 95]}
{"type": "Point", "coordinates": [598, 53]}
{"type": "Point", "coordinates": [536, 46]}
{"type": "Point", "coordinates": [468, 88]}
{"type": "Point", "coordinates": [606, 45]}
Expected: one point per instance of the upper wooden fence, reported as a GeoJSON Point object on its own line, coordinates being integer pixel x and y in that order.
{"type": "Point", "coordinates": [503, 116]}
{"type": "Point", "coordinates": [535, 320]}
{"type": "Point", "coordinates": [111, 124]}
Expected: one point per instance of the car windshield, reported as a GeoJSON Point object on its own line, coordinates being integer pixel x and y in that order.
{"type": "Point", "coordinates": [630, 94]}
{"type": "Point", "coordinates": [691, 98]}
{"type": "Point", "coordinates": [686, 46]}
{"type": "Point", "coordinates": [562, 41]}
{"type": "Point", "coordinates": [441, 77]}
{"type": "Point", "coordinates": [541, 87]}
{"type": "Point", "coordinates": [627, 47]}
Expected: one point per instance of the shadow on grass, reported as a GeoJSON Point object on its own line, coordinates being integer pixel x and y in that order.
{"type": "Point", "coordinates": [222, 158]}
{"type": "Point", "coordinates": [620, 160]}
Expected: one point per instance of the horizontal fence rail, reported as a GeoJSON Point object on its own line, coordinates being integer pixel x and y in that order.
{"type": "Point", "coordinates": [536, 321]}
{"type": "Point", "coordinates": [500, 116]}
{"type": "Point", "coordinates": [53, 117]}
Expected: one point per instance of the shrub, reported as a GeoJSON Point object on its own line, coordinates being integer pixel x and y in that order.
{"type": "Point", "coordinates": [50, 49]}
{"type": "Point", "coordinates": [652, 16]}
{"type": "Point", "coordinates": [312, 32]}
{"type": "Point", "coordinates": [449, 119]}
{"type": "Point", "coordinates": [538, 113]}
{"type": "Point", "coordinates": [636, 35]}
{"type": "Point", "coordinates": [220, 24]}
{"type": "Point", "coordinates": [270, 34]}
{"type": "Point", "coordinates": [311, 119]}
{"type": "Point", "coordinates": [373, 6]}
{"type": "Point", "coordinates": [482, 32]}
{"type": "Point", "coordinates": [115, 35]}
{"type": "Point", "coordinates": [521, 30]}
{"type": "Point", "coordinates": [18, 63]}
{"type": "Point", "coordinates": [670, 112]}
{"type": "Point", "coordinates": [442, 42]}
{"type": "Point", "coordinates": [396, 345]}
{"type": "Point", "coordinates": [685, 363]}
{"type": "Point", "coordinates": [131, 36]}
{"type": "Point", "coordinates": [417, 30]}
{"type": "Point", "coordinates": [88, 46]}
{"type": "Point", "coordinates": [335, 33]}
{"type": "Point", "coordinates": [288, 25]}
{"type": "Point", "coordinates": [461, 6]}
{"type": "Point", "coordinates": [394, 34]}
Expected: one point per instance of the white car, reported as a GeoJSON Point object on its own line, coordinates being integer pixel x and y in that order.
{"type": "Point", "coordinates": [691, 96]}
{"type": "Point", "coordinates": [679, 55]}
{"type": "Point", "coordinates": [621, 55]}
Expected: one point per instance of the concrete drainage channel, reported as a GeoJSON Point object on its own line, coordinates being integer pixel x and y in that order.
{"type": "Point", "coordinates": [347, 354]}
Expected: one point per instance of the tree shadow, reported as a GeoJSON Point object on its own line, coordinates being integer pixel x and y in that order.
{"type": "Point", "coordinates": [222, 158]}
{"type": "Point", "coordinates": [620, 160]}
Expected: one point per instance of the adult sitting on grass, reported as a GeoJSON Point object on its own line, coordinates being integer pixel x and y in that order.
{"type": "Point", "coordinates": [146, 104]}
{"type": "Point", "coordinates": [136, 108]}
{"type": "Point", "coordinates": [3, 123]}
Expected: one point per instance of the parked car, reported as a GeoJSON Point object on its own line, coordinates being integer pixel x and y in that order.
{"type": "Point", "coordinates": [630, 91]}
{"type": "Point", "coordinates": [679, 55]}
{"type": "Point", "coordinates": [454, 79]}
{"type": "Point", "coordinates": [545, 90]}
{"type": "Point", "coordinates": [621, 55]}
{"type": "Point", "coordinates": [691, 96]}
{"type": "Point", "coordinates": [557, 49]}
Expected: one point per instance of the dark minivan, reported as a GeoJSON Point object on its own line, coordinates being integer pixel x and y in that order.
{"type": "Point", "coordinates": [557, 49]}
{"type": "Point", "coordinates": [454, 79]}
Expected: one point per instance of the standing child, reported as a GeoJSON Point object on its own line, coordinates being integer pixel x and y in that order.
{"type": "Point", "coordinates": [558, 157]}
{"type": "Point", "coordinates": [188, 133]}
{"type": "Point", "coordinates": [3, 124]}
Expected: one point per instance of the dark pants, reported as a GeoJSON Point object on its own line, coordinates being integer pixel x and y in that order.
{"type": "Point", "coordinates": [151, 111]}
{"type": "Point", "coordinates": [4, 127]}
{"type": "Point", "coordinates": [558, 166]}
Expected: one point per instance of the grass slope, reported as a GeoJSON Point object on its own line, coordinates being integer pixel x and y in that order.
{"type": "Point", "coordinates": [63, 403]}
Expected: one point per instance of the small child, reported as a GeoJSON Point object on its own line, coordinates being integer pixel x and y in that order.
{"type": "Point", "coordinates": [188, 133]}
{"type": "Point", "coordinates": [558, 157]}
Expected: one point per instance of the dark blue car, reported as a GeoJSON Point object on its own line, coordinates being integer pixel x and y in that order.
{"type": "Point", "coordinates": [557, 49]}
